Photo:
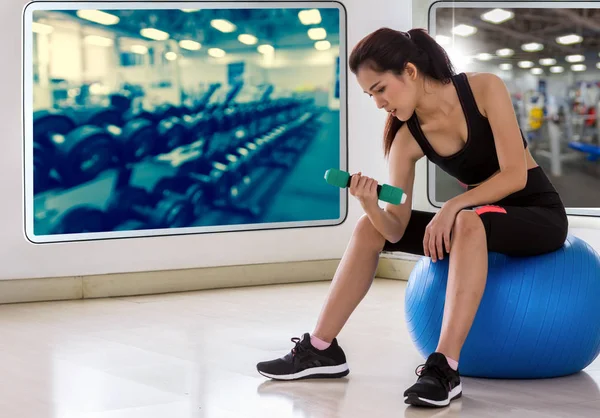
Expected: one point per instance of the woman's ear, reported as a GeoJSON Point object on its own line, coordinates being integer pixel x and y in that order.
{"type": "Point", "coordinates": [411, 71]}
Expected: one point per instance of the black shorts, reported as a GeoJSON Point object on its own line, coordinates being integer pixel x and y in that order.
{"type": "Point", "coordinates": [529, 222]}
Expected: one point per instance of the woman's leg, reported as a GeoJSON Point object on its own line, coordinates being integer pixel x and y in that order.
{"type": "Point", "coordinates": [466, 282]}
{"type": "Point", "coordinates": [351, 281]}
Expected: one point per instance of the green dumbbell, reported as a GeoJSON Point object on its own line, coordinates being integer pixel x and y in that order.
{"type": "Point", "coordinates": [386, 193]}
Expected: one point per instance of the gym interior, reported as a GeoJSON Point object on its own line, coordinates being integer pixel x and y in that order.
{"type": "Point", "coordinates": [167, 224]}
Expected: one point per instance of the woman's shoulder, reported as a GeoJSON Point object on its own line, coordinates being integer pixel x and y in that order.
{"type": "Point", "coordinates": [483, 85]}
{"type": "Point", "coordinates": [483, 81]}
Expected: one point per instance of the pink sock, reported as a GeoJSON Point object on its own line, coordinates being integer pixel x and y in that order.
{"type": "Point", "coordinates": [319, 344]}
{"type": "Point", "coordinates": [452, 363]}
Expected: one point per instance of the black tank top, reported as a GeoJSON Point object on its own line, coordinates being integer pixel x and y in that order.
{"type": "Point", "coordinates": [477, 160]}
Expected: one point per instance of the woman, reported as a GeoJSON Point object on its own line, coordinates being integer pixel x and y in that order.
{"type": "Point", "coordinates": [465, 124]}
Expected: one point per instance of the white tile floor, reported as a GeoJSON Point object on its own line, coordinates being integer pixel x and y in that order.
{"type": "Point", "coordinates": [194, 355]}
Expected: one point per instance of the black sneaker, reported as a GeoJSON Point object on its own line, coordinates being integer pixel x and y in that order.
{"type": "Point", "coordinates": [305, 361]}
{"type": "Point", "coordinates": [438, 384]}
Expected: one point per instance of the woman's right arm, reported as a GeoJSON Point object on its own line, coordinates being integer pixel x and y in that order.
{"type": "Point", "coordinates": [404, 154]}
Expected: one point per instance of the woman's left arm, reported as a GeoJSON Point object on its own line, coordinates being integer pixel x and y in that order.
{"type": "Point", "coordinates": [512, 177]}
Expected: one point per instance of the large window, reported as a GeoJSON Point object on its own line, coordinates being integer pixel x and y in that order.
{"type": "Point", "coordinates": [548, 54]}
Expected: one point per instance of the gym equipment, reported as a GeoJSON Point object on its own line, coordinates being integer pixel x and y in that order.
{"type": "Point", "coordinates": [135, 203]}
{"type": "Point", "coordinates": [538, 317]}
{"type": "Point", "coordinates": [83, 154]}
{"type": "Point", "coordinates": [592, 150]}
{"type": "Point", "coordinates": [47, 125]}
{"type": "Point", "coordinates": [386, 193]}
{"type": "Point", "coordinates": [81, 219]}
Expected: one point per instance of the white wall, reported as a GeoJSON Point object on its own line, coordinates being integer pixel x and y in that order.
{"type": "Point", "coordinates": [21, 259]}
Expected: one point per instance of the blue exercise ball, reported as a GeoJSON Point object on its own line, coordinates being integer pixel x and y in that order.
{"type": "Point", "coordinates": [538, 317]}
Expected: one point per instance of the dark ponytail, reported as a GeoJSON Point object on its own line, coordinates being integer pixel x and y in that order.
{"type": "Point", "coordinates": [390, 50]}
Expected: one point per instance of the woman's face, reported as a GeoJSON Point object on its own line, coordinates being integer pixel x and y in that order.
{"type": "Point", "coordinates": [397, 94]}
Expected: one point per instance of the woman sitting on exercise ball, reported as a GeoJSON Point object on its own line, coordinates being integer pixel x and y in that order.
{"type": "Point", "coordinates": [465, 124]}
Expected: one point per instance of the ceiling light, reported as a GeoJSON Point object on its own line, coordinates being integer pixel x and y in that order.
{"type": "Point", "coordinates": [547, 61]}
{"type": "Point", "coordinates": [598, 65]}
{"type": "Point", "coordinates": [532, 47]}
{"type": "Point", "coordinates": [139, 49]}
{"type": "Point", "coordinates": [223, 25]}
{"type": "Point", "coordinates": [505, 52]}
{"type": "Point", "coordinates": [41, 28]}
{"type": "Point", "coordinates": [484, 56]}
{"type": "Point", "coordinates": [98, 16]}
{"type": "Point", "coordinates": [310, 17]}
{"type": "Point", "coordinates": [526, 64]}
{"type": "Point", "coordinates": [98, 40]}
{"type": "Point", "coordinates": [171, 56]}
{"type": "Point", "coordinates": [265, 49]}
{"type": "Point", "coordinates": [317, 33]}
{"type": "Point", "coordinates": [497, 16]}
{"type": "Point", "coordinates": [506, 66]}
{"type": "Point", "coordinates": [190, 45]}
{"type": "Point", "coordinates": [537, 71]}
{"type": "Point", "coordinates": [322, 45]}
{"type": "Point", "coordinates": [575, 58]}
{"type": "Point", "coordinates": [216, 52]}
{"type": "Point", "coordinates": [190, 10]}
{"type": "Point", "coordinates": [155, 34]}
{"type": "Point", "coordinates": [578, 67]}
{"type": "Point", "coordinates": [557, 69]}
{"type": "Point", "coordinates": [443, 40]}
{"type": "Point", "coordinates": [247, 39]}
{"type": "Point", "coordinates": [569, 39]}
{"type": "Point", "coordinates": [464, 30]}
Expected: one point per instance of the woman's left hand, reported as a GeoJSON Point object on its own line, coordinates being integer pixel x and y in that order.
{"type": "Point", "coordinates": [438, 232]}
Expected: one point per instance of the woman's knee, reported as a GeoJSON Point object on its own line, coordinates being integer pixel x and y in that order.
{"type": "Point", "coordinates": [367, 234]}
{"type": "Point", "coordinates": [468, 222]}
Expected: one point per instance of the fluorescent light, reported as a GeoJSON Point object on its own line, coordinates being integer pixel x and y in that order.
{"type": "Point", "coordinates": [464, 30]}
{"type": "Point", "coordinates": [322, 45]}
{"type": "Point", "coordinates": [310, 17]}
{"type": "Point", "coordinates": [497, 16]}
{"type": "Point", "coordinates": [569, 39]}
{"type": "Point", "coordinates": [190, 45]}
{"type": "Point", "coordinates": [557, 69]}
{"type": "Point", "coordinates": [190, 10]}
{"type": "Point", "coordinates": [532, 47]}
{"type": "Point", "coordinates": [484, 56]}
{"type": "Point", "coordinates": [97, 40]}
{"type": "Point", "coordinates": [547, 61]}
{"type": "Point", "coordinates": [98, 16]}
{"type": "Point", "coordinates": [505, 66]}
{"type": "Point", "coordinates": [578, 67]}
{"type": "Point", "coordinates": [317, 33]}
{"type": "Point", "coordinates": [505, 52]}
{"type": "Point", "coordinates": [223, 25]}
{"type": "Point", "coordinates": [139, 49]}
{"type": "Point", "coordinates": [41, 28]}
{"type": "Point", "coordinates": [537, 71]}
{"type": "Point", "coordinates": [575, 58]}
{"type": "Point", "coordinates": [458, 58]}
{"type": "Point", "coordinates": [216, 52]}
{"type": "Point", "coordinates": [171, 56]}
{"type": "Point", "coordinates": [443, 40]}
{"type": "Point", "coordinates": [265, 49]}
{"type": "Point", "coordinates": [526, 64]}
{"type": "Point", "coordinates": [247, 39]}
{"type": "Point", "coordinates": [155, 34]}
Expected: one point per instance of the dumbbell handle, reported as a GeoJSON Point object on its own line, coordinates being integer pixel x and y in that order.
{"type": "Point", "coordinates": [385, 193]}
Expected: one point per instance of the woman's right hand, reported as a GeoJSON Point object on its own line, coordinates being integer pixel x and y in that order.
{"type": "Point", "coordinates": [365, 190]}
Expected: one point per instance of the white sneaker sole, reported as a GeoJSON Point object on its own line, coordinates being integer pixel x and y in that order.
{"type": "Point", "coordinates": [316, 372]}
{"type": "Point", "coordinates": [419, 401]}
